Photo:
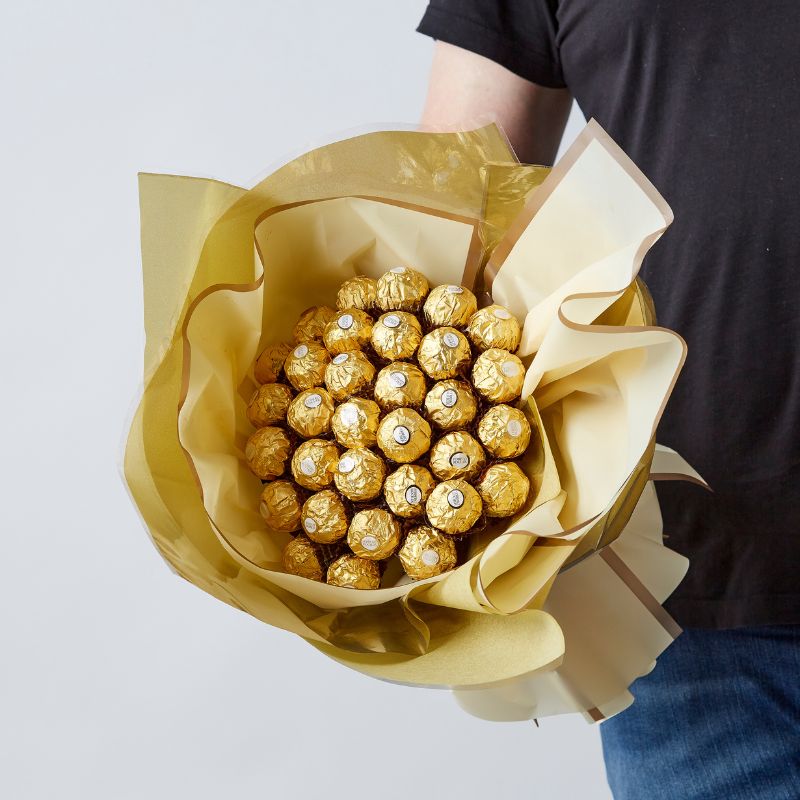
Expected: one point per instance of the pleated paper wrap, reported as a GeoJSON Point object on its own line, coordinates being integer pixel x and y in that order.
{"type": "Point", "coordinates": [556, 610]}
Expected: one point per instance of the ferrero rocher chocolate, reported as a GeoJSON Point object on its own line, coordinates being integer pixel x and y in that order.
{"type": "Point", "coordinates": [427, 552]}
{"type": "Point", "coordinates": [454, 506]}
{"type": "Point", "coordinates": [269, 363]}
{"type": "Point", "coordinates": [280, 506]}
{"type": "Point", "coordinates": [358, 292]}
{"type": "Point", "coordinates": [450, 305]}
{"type": "Point", "coordinates": [314, 462]}
{"type": "Point", "coordinates": [374, 534]}
{"type": "Point", "coordinates": [353, 572]}
{"type": "Point", "coordinates": [407, 489]}
{"type": "Point", "coordinates": [504, 431]}
{"type": "Point", "coordinates": [267, 452]}
{"type": "Point", "coordinates": [444, 353]}
{"type": "Point", "coordinates": [348, 374]}
{"type": "Point", "coordinates": [451, 404]}
{"type": "Point", "coordinates": [324, 518]}
{"type": "Point", "coordinates": [359, 474]}
{"type": "Point", "coordinates": [401, 289]}
{"type": "Point", "coordinates": [348, 330]}
{"type": "Point", "coordinates": [457, 455]}
{"type": "Point", "coordinates": [302, 557]}
{"type": "Point", "coordinates": [310, 413]}
{"type": "Point", "coordinates": [355, 423]}
{"type": "Point", "coordinates": [404, 435]}
{"type": "Point", "coordinates": [305, 365]}
{"type": "Point", "coordinates": [269, 404]}
{"type": "Point", "coordinates": [400, 384]}
{"type": "Point", "coordinates": [504, 489]}
{"type": "Point", "coordinates": [312, 322]}
{"type": "Point", "coordinates": [494, 326]}
{"type": "Point", "coordinates": [498, 375]}
{"type": "Point", "coordinates": [396, 335]}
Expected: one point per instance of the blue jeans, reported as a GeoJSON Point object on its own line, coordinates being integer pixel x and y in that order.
{"type": "Point", "coordinates": [717, 719]}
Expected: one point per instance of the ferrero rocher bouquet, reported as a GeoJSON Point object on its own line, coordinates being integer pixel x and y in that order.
{"type": "Point", "coordinates": [400, 399]}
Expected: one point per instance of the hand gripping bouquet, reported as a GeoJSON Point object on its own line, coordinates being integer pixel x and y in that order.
{"type": "Point", "coordinates": [335, 386]}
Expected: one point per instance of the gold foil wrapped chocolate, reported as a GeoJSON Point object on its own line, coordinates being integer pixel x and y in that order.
{"type": "Point", "coordinates": [302, 557]}
{"type": "Point", "coordinates": [454, 506]}
{"type": "Point", "coordinates": [353, 572]}
{"type": "Point", "coordinates": [312, 323]}
{"type": "Point", "coordinates": [399, 385]}
{"type": "Point", "coordinates": [450, 305]}
{"type": "Point", "coordinates": [269, 363]}
{"type": "Point", "coordinates": [314, 462]}
{"type": "Point", "coordinates": [494, 326]}
{"type": "Point", "coordinates": [280, 506]}
{"type": "Point", "coordinates": [348, 330]}
{"type": "Point", "coordinates": [457, 455]}
{"type": "Point", "coordinates": [427, 552]}
{"type": "Point", "coordinates": [451, 404]}
{"type": "Point", "coordinates": [498, 375]}
{"type": "Point", "coordinates": [401, 289]}
{"type": "Point", "coordinates": [373, 534]}
{"type": "Point", "coordinates": [355, 423]}
{"type": "Point", "coordinates": [310, 413]}
{"type": "Point", "coordinates": [359, 474]}
{"type": "Point", "coordinates": [444, 353]}
{"type": "Point", "coordinates": [324, 518]}
{"type": "Point", "coordinates": [359, 292]}
{"type": "Point", "coordinates": [504, 431]}
{"type": "Point", "coordinates": [504, 489]}
{"type": "Point", "coordinates": [305, 365]}
{"type": "Point", "coordinates": [269, 404]}
{"type": "Point", "coordinates": [348, 374]}
{"type": "Point", "coordinates": [396, 335]}
{"type": "Point", "coordinates": [404, 435]}
{"type": "Point", "coordinates": [407, 489]}
{"type": "Point", "coordinates": [267, 451]}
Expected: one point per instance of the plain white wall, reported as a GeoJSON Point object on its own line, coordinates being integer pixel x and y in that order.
{"type": "Point", "coordinates": [117, 679]}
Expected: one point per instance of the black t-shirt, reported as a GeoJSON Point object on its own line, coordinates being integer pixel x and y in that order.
{"type": "Point", "coordinates": [704, 97]}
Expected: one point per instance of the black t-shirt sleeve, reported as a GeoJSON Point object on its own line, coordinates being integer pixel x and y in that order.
{"type": "Point", "coordinates": [520, 35]}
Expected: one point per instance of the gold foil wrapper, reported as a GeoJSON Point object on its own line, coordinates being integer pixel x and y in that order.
{"type": "Point", "coordinates": [494, 326]}
{"type": "Point", "coordinates": [266, 453]}
{"type": "Point", "coordinates": [444, 353]}
{"type": "Point", "coordinates": [504, 489]}
{"type": "Point", "coordinates": [427, 552]}
{"type": "Point", "coordinates": [314, 462]}
{"type": "Point", "coordinates": [457, 455]}
{"type": "Point", "coordinates": [350, 329]}
{"type": "Point", "coordinates": [359, 474]}
{"type": "Point", "coordinates": [269, 363]}
{"type": "Point", "coordinates": [311, 412]}
{"type": "Point", "coordinates": [450, 305]}
{"type": "Point", "coordinates": [373, 534]}
{"type": "Point", "coordinates": [302, 557]}
{"type": "Point", "coordinates": [407, 489]}
{"type": "Point", "coordinates": [454, 506]}
{"type": "Point", "coordinates": [355, 423]}
{"type": "Point", "coordinates": [396, 335]}
{"type": "Point", "coordinates": [498, 375]}
{"type": "Point", "coordinates": [404, 435]}
{"type": "Point", "coordinates": [348, 374]}
{"type": "Point", "coordinates": [324, 517]}
{"type": "Point", "coordinates": [280, 506]}
{"type": "Point", "coordinates": [400, 385]}
{"type": "Point", "coordinates": [504, 431]}
{"type": "Point", "coordinates": [305, 365]}
{"type": "Point", "coordinates": [359, 292]}
{"type": "Point", "coordinates": [451, 404]}
{"type": "Point", "coordinates": [269, 404]}
{"type": "Point", "coordinates": [401, 289]}
{"type": "Point", "coordinates": [353, 572]}
{"type": "Point", "coordinates": [312, 323]}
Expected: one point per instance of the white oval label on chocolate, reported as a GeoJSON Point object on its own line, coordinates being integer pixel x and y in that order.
{"type": "Point", "coordinates": [313, 401]}
{"type": "Point", "coordinates": [455, 498]}
{"type": "Point", "coordinates": [455, 290]}
{"type": "Point", "coordinates": [347, 464]}
{"type": "Point", "coordinates": [401, 434]}
{"type": "Point", "coordinates": [514, 428]}
{"type": "Point", "coordinates": [301, 351]}
{"type": "Point", "coordinates": [348, 413]}
{"type": "Point", "coordinates": [369, 542]}
{"type": "Point", "coordinates": [501, 313]}
{"type": "Point", "coordinates": [307, 466]}
{"type": "Point", "coordinates": [510, 369]}
{"type": "Point", "coordinates": [397, 379]}
{"type": "Point", "coordinates": [413, 495]}
{"type": "Point", "coordinates": [345, 322]}
{"type": "Point", "coordinates": [459, 460]}
{"type": "Point", "coordinates": [449, 398]}
{"type": "Point", "coordinates": [310, 525]}
{"type": "Point", "coordinates": [398, 270]}
{"type": "Point", "coordinates": [430, 558]}
{"type": "Point", "coordinates": [340, 359]}
{"type": "Point", "coordinates": [391, 321]}
{"type": "Point", "coordinates": [450, 339]}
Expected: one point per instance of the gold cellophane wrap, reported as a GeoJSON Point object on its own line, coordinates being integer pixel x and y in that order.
{"type": "Point", "coordinates": [583, 561]}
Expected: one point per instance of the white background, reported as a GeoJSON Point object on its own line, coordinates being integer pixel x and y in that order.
{"type": "Point", "coordinates": [117, 679]}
